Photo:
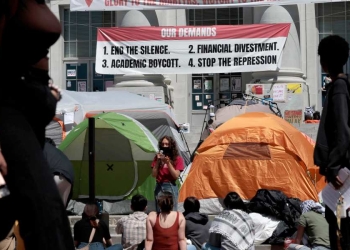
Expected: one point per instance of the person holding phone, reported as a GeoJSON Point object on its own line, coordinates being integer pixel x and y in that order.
{"type": "Point", "coordinates": [166, 168]}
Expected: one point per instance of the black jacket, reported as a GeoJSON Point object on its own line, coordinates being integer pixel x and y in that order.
{"type": "Point", "coordinates": [59, 162]}
{"type": "Point", "coordinates": [333, 138]}
{"type": "Point", "coordinates": [197, 228]}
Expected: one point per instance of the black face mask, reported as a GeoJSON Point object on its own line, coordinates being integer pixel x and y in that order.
{"type": "Point", "coordinates": [166, 150]}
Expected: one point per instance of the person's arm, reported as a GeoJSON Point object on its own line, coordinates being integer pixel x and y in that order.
{"type": "Point", "coordinates": [303, 223]}
{"type": "Point", "coordinates": [156, 165]}
{"type": "Point", "coordinates": [119, 227]}
{"type": "Point", "coordinates": [106, 235]}
{"type": "Point", "coordinates": [3, 165]}
{"type": "Point", "coordinates": [149, 232]}
{"type": "Point", "coordinates": [181, 232]}
{"type": "Point", "coordinates": [109, 243]}
{"type": "Point", "coordinates": [300, 234]}
{"type": "Point", "coordinates": [76, 243]}
{"type": "Point", "coordinates": [155, 169]}
{"type": "Point", "coordinates": [76, 234]}
{"type": "Point", "coordinates": [341, 117]}
{"type": "Point", "coordinates": [172, 169]}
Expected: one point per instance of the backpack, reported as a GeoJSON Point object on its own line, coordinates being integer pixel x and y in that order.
{"type": "Point", "coordinates": [276, 203]}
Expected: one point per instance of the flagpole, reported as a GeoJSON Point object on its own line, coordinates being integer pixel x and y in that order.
{"type": "Point", "coordinates": [92, 159]}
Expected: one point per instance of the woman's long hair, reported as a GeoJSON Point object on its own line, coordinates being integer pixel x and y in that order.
{"type": "Point", "coordinates": [165, 202]}
{"type": "Point", "coordinates": [173, 147]}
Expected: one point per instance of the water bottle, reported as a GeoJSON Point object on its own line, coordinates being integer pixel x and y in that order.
{"type": "Point", "coordinates": [100, 207]}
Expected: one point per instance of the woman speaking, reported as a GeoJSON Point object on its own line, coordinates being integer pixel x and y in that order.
{"type": "Point", "coordinates": [166, 168]}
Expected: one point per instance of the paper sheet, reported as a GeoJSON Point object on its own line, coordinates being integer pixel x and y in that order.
{"type": "Point", "coordinates": [330, 195]}
{"type": "Point", "coordinates": [69, 118]}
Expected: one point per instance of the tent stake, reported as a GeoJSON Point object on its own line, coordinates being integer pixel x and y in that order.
{"type": "Point", "coordinates": [92, 159]}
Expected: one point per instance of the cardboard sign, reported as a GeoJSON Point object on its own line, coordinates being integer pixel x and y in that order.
{"type": "Point", "coordinates": [293, 116]}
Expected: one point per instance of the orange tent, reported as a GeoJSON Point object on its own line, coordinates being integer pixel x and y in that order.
{"type": "Point", "coordinates": [250, 152]}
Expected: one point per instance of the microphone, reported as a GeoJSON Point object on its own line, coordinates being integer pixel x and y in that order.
{"type": "Point", "coordinates": [161, 154]}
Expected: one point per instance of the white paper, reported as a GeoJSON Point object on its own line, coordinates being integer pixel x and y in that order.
{"type": "Point", "coordinates": [82, 86]}
{"type": "Point", "coordinates": [71, 73]}
{"type": "Point", "coordinates": [196, 97]}
{"type": "Point", "coordinates": [208, 85]}
{"type": "Point", "coordinates": [279, 93]}
{"type": "Point", "coordinates": [69, 118]}
{"type": "Point", "coordinates": [236, 84]}
{"type": "Point", "coordinates": [224, 84]}
{"type": "Point", "coordinates": [330, 195]}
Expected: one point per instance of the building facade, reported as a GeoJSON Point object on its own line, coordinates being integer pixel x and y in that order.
{"type": "Point", "coordinates": [75, 52]}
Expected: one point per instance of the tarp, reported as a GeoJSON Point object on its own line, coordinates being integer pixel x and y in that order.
{"type": "Point", "coordinates": [74, 106]}
{"type": "Point", "coordinates": [226, 113]}
{"type": "Point", "coordinates": [82, 103]}
{"type": "Point", "coordinates": [190, 49]}
{"type": "Point", "coordinates": [119, 5]}
{"type": "Point", "coordinates": [236, 108]}
{"type": "Point", "coordinates": [250, 152]}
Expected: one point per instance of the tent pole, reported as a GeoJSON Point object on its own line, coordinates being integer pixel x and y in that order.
{"type": "Point", "coordinates": [92, 159]}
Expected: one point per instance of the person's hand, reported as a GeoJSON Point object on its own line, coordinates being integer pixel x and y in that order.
{"type": "Point", "coordinates": [3, 165]}
{"type": "Point", "coordinates": [166, 160]}
{"type": "Point", "coordinates": [55, 91]}
{"type": "Point", "coordinates": [337, 182]}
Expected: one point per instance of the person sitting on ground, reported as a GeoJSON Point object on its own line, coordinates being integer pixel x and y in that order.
{"type": "Point", "coordinates": [166, 230]}
{"type": "Point", "coordinates": [133, 226]}
{"type": "Point", "coordinates": [197, 224]}
{"type": "Point", "coordinates": [233, 228]}
{"type": "Point", "coordinates": [83, 230]}
{"type": "Point", "coordinates": [313, 223]}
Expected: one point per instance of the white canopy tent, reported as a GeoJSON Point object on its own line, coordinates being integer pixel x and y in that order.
{"type": "Point", "coordinates": [81, 103]}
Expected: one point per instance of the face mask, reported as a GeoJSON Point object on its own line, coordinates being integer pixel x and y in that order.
{"type": "Point", "coordinates": [166, 150]}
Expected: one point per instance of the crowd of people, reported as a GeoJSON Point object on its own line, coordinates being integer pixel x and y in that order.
{"type": "Point", "coordinates": [232, 229]}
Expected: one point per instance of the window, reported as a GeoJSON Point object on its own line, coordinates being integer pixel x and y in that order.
{"type": "Point", "coordinates": [203, 85]}
{"type": "Point", "coordinates": [202, 91]}
{"type": "Point", "coordinates": [334, 19]}
{"type": "Point", "coordinates": [224, 16]}
{"type": "Point", "coordinates": [80, 31]}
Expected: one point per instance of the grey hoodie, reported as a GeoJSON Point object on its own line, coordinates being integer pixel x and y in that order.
{"type": "Point", "coordinates": [197, 228]}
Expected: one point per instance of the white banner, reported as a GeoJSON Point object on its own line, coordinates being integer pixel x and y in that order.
{"type": "Point", "coordinates": [190, 50]}
{"type": "Point", "coordinates": [118, 5]}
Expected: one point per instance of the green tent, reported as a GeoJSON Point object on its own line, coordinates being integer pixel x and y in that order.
{"type": "Point", "coordinates": [124, 150]}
